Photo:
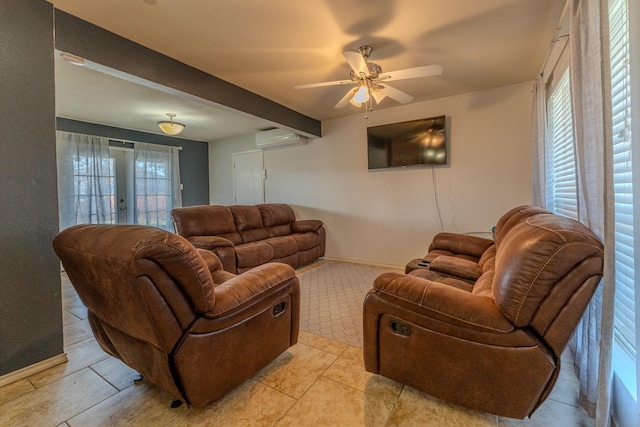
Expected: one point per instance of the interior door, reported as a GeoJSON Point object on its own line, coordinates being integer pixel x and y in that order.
{"type": "Point", "coordinates": [248, 177]}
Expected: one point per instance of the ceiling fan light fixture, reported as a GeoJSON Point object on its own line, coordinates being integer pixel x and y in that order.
{"type": "Point", "coordinates": [362, 95]}
{"type": "Point", "coordinates": [170, 127]}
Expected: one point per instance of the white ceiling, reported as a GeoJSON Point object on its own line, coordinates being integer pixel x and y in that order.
{"type": "Point", "coordinates": [270, 46]}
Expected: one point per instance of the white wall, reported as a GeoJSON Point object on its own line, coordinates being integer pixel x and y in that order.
{"type": "Point", "coordinates": [389, 216]}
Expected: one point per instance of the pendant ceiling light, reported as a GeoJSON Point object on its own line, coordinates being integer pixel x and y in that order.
{"type": "Point", "coordinates": [170, 127]}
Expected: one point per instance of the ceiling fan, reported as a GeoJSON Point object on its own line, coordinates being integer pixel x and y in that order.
{"type": "Point", "coordinates": [371, 82]}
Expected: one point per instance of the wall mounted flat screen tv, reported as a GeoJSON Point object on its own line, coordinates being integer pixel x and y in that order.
{"type": "Point", "coordinates": [416, 142]}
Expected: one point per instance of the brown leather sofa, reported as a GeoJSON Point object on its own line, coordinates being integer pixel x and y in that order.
{"type": "Point", "coordinates": [495, 345]}
{"type": "Point", "coordinates": [245, 236]}
{"type": "Point", "coordinates": [460, 259]}
{"type": "Point", "coordinates": [169, 310]}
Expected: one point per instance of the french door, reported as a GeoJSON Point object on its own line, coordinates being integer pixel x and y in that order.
{"type": "Point", "coordinates": [123, 188]}
{"type": "Point", "coordinates": [102, 184]}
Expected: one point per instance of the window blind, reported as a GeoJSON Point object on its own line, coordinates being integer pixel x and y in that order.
{"type": "Point", "coordinates": [624, 315]}
{"type": "Point", "coordinates": [561, 179]}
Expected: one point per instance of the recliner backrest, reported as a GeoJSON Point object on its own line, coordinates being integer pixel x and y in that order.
{"type": "Point", "coordinates": [514, 217]}
{"type": "Point", "coordinates": [541, 263]}
{"type": "Point", "coordinates": [143, 281]}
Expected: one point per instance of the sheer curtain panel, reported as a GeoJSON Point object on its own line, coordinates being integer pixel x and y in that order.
{"type": "Point", "coordinates": [591, 103]}
{"type": "Point", "coordinates": [539, 137]}
{"type": "Point", "coordinates": [157, 184]}
{"type": "Point", "coordinates": [85, 180]}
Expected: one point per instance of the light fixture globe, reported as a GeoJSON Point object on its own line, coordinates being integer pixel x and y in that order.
{"type": "Point", "coordinates": [170, 127]}
{"type": "Point", "coordinates": [362, 95]}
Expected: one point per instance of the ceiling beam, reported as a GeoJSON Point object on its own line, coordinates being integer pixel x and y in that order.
{"type": "Point", "coordinates": [81, 38]}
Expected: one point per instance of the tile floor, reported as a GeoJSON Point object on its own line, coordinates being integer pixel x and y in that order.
{"type": "Point", "coordinates": [319, 382]}
{"type": "Point", "coordinates": [328, 307]}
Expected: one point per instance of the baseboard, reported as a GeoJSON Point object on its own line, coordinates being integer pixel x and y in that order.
{"type": "Point", "coordinates": [372, 264]}
{"type": "Point", "coordinates": [27, 371]}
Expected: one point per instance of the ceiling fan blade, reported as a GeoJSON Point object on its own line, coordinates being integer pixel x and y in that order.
{"type": "Point", "coordinates": [357, 63]}
{"type": "Point", "coordinates": [331, 83]}
{"type": "Point", "coordinates": [411, 73]}
{"type": "Point", "coordinates": [345, 99]}
{"type": "Point", "coordinates": [396, 94]}
{"type": "Point", "coordinates": [378, 95]}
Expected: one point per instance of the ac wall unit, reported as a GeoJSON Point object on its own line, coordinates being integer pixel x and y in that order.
{"type": "Point", "coordinates": [277, 138]}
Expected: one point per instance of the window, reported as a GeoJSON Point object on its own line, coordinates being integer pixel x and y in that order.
{"type": "Point", "coordinates": [89, 173]}
{"type": "Point", "coordinates": [625, 320]}
{"type": "Point", "coordinates": [561, 173]}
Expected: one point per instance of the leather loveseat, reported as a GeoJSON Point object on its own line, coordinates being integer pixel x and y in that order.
{"type": "Point", "coordinates": [169, 310]}
{"type": "Point", "coordinates": [460, 259]}
{"type": "Point", "coordinates": [245, 236]}
{"type": "Point", "coordinates": [493, 345]}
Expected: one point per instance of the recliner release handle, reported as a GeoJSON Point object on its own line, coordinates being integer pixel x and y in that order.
{"type": "Point", "coordinates": [278, 308]}
{"type": "Point", "coordinates": [400, 328]}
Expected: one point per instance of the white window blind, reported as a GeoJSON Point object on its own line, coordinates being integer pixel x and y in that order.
{"type": "Point", "coordinates": [561, 178]}
{"type": "Point", "coordinates": [624, 316]}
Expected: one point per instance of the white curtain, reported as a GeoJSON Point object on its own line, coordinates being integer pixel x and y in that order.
{"type": "Point", "coordinates": [591, 104]}
{"type": "Point", "coordinates": [157, 184]}
{"type": "Point", "coordinates": [85, 184]}
{"type": "Point", "coordinates": [538, 156]}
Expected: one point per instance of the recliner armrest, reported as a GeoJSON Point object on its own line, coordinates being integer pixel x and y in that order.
{"type": "Point", "coordinates": [460, 244]}
{"type": "Point", "coordinates": [304, 225]}
{"type": "Point", "coordinates": [440, 301]}
{"type": "Point", "coordinates": [249, 287]}
{"type": "Point", "coordinates": [456, 267]}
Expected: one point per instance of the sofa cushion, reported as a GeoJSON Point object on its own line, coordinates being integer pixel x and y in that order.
{"type": "Point", "coordinates": [282, 246]}
{"type": "Point", "coordinates": [488, 259]}
{"type": "Point", "coordinates": [252, 254]}
{"type": "Point", "coordinates": [277, 218]}
{"type": "Point", "coordinates": [434, 276]}
{"type": "Point", "coordinates": [205, 220]}
{"type": "Point", "coordinates": [306, 241]}
{"type": "Point", "coordinates": [484, 284]}
{"type": "Point", "coordinates": [248, 223]}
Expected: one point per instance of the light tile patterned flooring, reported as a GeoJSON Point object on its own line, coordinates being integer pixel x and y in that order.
{"type": "Point", "coordinates": [331, 309]}
{"type": "Point", "coordinates": [320, 382]}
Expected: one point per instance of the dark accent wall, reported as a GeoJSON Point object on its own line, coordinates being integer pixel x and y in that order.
{"type": "Point", "coordinates": [81, 38]}
{"type": "Point", "coordinates": [194, 156]}
{"type": "Point", "coordinates": [30, 302]}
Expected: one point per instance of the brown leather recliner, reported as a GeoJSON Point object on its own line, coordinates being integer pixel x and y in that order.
{"type": "Point", "coordinates": [495, 347]}
{"type": "Point", "coordinates": [170, 311]}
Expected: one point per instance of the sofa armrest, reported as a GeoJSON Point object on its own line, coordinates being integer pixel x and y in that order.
{"type": "Point", "coordinates": [215, 266]}
{"type": "Point", "coordinates": [209, 242]}
{"type": "Point", "coordinates": [250, 287]}
{"type": "Point", "coordinates": [460, 244]}
{"type": "Point", "coordinates": [223, 248]}
{"type": "Point", "coordinates": [305, 225]}
{"type": "Point", "coordinates": [456, 267]}
{"type": "Point", "coordinates": [442, 302]}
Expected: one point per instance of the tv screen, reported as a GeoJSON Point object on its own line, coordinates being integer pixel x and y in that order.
{"type": "Point", "coordinates": [416, 142]}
